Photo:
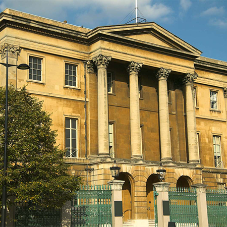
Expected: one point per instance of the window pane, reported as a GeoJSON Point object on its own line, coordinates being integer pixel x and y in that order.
{"type": "Point", "coordinates": [67, 133]}
{"type": "Point", "coordinates": [67, 123]}
{"type": "Point", "coordinates": [73, 123]}
{"type": "Point", "coordinates": [73, 134]}
{"type": "Point", "coordinates": [73, 143]}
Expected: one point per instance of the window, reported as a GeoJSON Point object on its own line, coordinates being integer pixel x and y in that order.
{"type": "Point", "coordinates": [35, 71]}
{"type": "Point", "coordinates": [217, 151]}
{"type": "Point", "coordinates": [141, 138]}
{"type": "Point", "coordinates": [71, 137]}
{"type": "Point", "coordinates": [111, 139]}
{"type": "Point", "coordinates": [70, 75]}
{"type": "Point", "coordinates": [140, 87]}
{"type": "Point", "coordinates": [214, 100]}
{"type": "Point", "coordinates": [197, 138]}
{"type": "Point", "coordinates": [195, 96]}
{"type": "Point", "coordinates": [109, 82]}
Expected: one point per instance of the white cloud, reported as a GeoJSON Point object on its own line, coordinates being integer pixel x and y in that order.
{"type": "Point", "coordinates": [213, 11]}
{"type": "Point", "coordinates": [90, 13]}
{"type": "Point", "coordinates": [185, 4]}
{"type": "Point", "coordinates": [219, 23]}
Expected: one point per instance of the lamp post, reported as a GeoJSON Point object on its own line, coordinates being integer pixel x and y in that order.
{"type": "Point", "coordinates": [4, 189]}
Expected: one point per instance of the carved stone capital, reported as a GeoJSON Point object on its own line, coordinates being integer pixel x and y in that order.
{"type": "Point", "coordinates": [134, 67]}
{"type": "Point", "coordinates": [225, 92]}
{"type": "Point", "coordinates": [163, 74]}
{"type": "Point", "coordinates": [90, 66]}
{"type": "Point", "coordinates": [189, 78]}
{"type": "Point", "coordinates": [13, 51]}
{"type": "Point", "coordinates": [101, 60]}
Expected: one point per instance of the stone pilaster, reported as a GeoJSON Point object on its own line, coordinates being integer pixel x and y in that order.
{"type": "Point", "coordinates": [133, 70]}
{"type": "Point", "coordinates": [201, 204]}
{"type": "Point", "coordinates": [191, 120]}
{"type": "Point", "coordinates": [162, 76]}
{"type": "Point", "coordinates": [162, 189]}
{"type": "Point", "coordinates": [102, 62]}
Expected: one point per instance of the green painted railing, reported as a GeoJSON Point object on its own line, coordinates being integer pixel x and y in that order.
{"type": "Point", "coordinates": [92, 207]}
{"type": "Point", "coordinates": [25, 216]}
{"type": "Point", "coordinates": [183, 207]}
{"type": "Point", "coordinates": [155, 208]}
{"type": "Point", "coordinates": [217, 207]}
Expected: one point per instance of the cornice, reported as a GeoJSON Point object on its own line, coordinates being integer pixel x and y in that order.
{"type": "Point", "coordinates": [34, 26]}
{"type": "Point", "coordinates": [126, 41]}
{"type": "Point", "coordinates": [41, 28]}
{"type": "Point", "coordinates": [211, 65]}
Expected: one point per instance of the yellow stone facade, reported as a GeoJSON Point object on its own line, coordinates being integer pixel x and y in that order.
{"type": "Point", "coordinates": [159, 102]}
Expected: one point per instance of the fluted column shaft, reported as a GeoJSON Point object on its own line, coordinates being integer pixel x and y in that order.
{"type": "Point", "coordinates": [134, 110]}
{"type": "Point", "coordinates": [191, 119]}
{"type": "Point", "coordinates": [162, 76]}
{"type": "Point", "coordinates": [102, 62]}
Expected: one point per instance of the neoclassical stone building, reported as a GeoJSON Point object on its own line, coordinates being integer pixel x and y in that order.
{"type": "Point", "coordinates": [134, 93]}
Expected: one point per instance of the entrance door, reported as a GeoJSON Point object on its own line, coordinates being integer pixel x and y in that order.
{"type": "Point", "coordinates": [126, 197]}
{"type": "Point", "coordinates": [153, 178]}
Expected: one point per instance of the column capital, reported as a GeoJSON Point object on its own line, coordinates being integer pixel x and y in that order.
{"type": "Point", "coordinates": [162, 186]}
{"type": "Point", "coordinates": [134, 67]}
{"type": "Point", "coordinates": [116, 184]}
{"type": "Point", "coordinates": [225, 92]}
{"type": "Point", "coordinates": [101, 60]}
{"type": "Point", "coordinates": [200, 188]}
{"type": "Point", "coordinates": [189, 78]}
{"type": "Point", "coordinates": [13, 51]}
{"type": "Point", "coordinates": [90, 66]}
{"type": "Point", "coordinates": [163, 74]}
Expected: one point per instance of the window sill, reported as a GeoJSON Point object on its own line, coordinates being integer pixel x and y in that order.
{"type": "Point", "coordinates": [111, 93]}
{"type": "Point", "coordinates": [215, 110]}
{"type": "Point", "coordinates": [72, 87]}
{"type": "Point", "coordinates": [35, 81]}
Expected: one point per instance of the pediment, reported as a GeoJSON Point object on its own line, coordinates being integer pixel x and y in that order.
{"type": "Point", "coordinates": [149, 38]}
{"type": "Point", "coordinates": [150, 33]}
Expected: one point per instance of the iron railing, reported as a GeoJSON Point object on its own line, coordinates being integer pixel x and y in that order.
{"type": "Point", "coordinates": [217, 207]}
{"type": "Point", "coordinates": [92, 207]}
{"type": "Point", "coordinates": [183, 207]}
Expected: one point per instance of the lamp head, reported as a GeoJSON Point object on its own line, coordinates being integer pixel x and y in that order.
{"type": "Point", "coordinates": [23, 66]}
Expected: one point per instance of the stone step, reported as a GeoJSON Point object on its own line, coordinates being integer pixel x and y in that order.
{"type": "Point", "coordinates": [138, 223]}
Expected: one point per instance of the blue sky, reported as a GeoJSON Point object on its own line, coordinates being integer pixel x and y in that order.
{"type": "Point", "coordinates": [201, 23]}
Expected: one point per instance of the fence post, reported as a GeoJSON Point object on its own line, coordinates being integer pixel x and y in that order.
{"type": "Point", "coordinates": [162, 188]}
{"type": "Point", "coordinates": [201, 204]}
{"type": "Point", "coordinates": [116, 187]}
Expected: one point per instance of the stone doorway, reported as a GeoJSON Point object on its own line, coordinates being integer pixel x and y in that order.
{"type": "Point", "coordinates": [126, 195]}
{"type": "Point", "coordinates": [153, 178]}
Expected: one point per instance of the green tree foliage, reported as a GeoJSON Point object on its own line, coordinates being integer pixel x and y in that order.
{"type": "Point", "coordinates": [36, 170]}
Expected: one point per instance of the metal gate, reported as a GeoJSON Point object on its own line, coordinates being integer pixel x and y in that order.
{"type": "Point", "coordinates": [217, 207]}
{"type": "Point", "coordinates": [25, 216]}
{"type": "Point", "coordinates": [155, 208]}
{"type": "Point", "coordinates": [183, 207]}
{"type": "Point", "coordinates": [92, 207]}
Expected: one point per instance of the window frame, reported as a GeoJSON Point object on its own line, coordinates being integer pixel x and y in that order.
{"type": "Point", "coordinates": [195, 96]}
{"type": "Point", "coordinates": [217, 103]}
{"type": "Point", "coordinates": [112, 83]}
{"type": "Point", "coordinates": [77, 75]}
{"type": "Point", "coordinates": [220, 164]}
{"type": "Point", "coordinates": [42, 81]}
{"type": "Point", "coordinates": [76, 136]}
{"type": "Point", "coordinates": [111, 148]}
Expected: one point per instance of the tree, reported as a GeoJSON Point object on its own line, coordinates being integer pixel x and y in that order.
{"type": "Point", "coordinates": [36, 171]}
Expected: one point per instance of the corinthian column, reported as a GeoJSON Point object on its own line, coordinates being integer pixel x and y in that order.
{"type": "Point", "coordinates": [191, 120]}
{"type": "Point", "coordinates": [133, 70]}
{"type": "Point", "coordinates": [102, 62]}
{"type": "Point", "coordinates": [162, 76]}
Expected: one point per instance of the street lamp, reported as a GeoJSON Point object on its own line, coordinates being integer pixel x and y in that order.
{"type": "Point", "coordinates": [4, 191]}
{"type": "Point", "coordinates": [115, 170]}
{"type": "Point", "coordinates": [161, 173]}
